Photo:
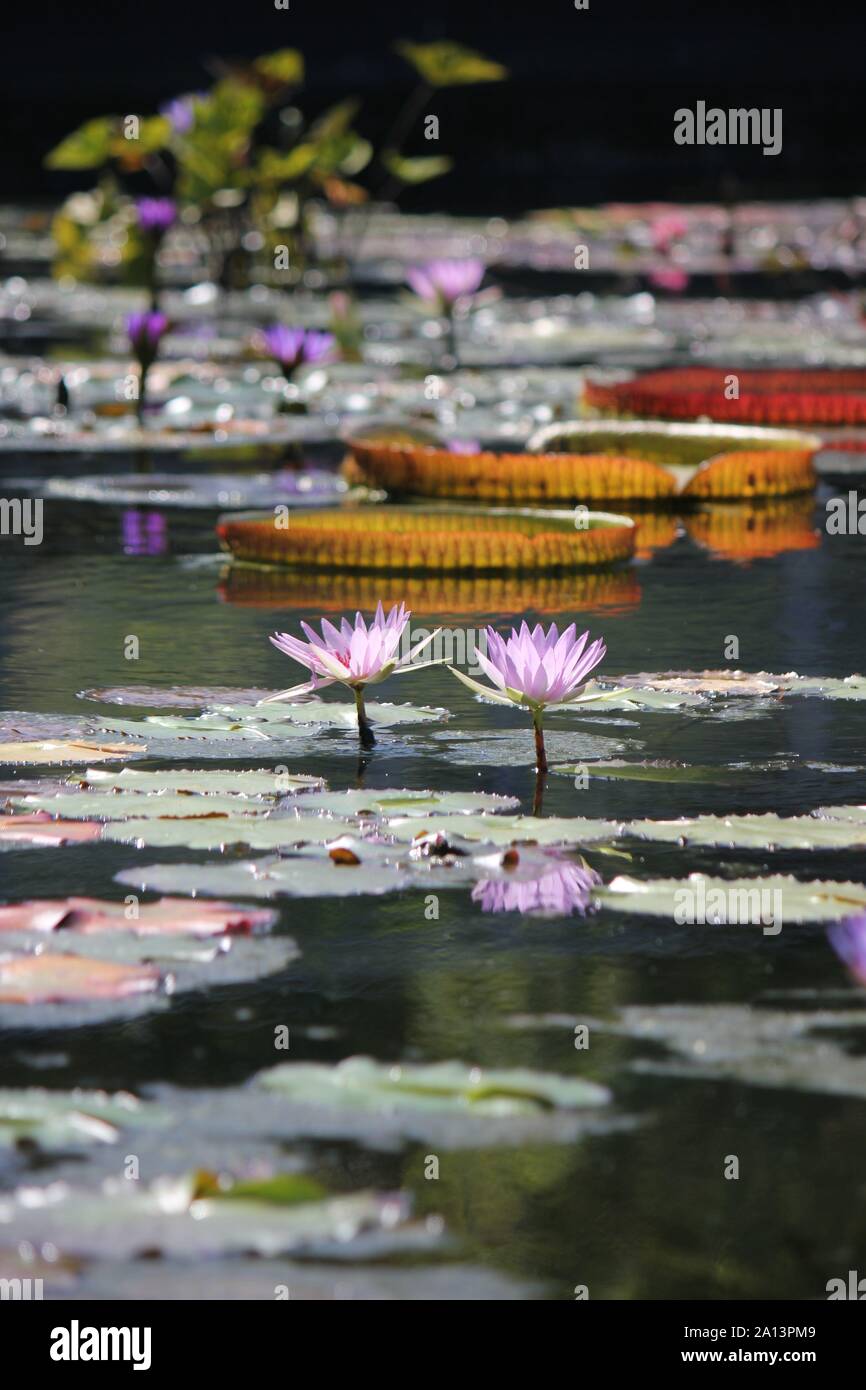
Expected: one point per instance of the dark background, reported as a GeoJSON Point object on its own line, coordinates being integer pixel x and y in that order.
{"type": "Point", "coordinates": [586, 117]}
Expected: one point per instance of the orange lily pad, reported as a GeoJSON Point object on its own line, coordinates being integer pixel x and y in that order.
{"type": "Point", "coordinates": [59, 979]}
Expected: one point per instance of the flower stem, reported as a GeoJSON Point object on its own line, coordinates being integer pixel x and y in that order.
{"type": "Point", "coordinates": [142, 388]}
{"type": "Point", "coordinates": [366, 737]}
{"type": "Point", "coordinates": [538, 801]}
{"type": "Point", "coordinates": [540, 755]}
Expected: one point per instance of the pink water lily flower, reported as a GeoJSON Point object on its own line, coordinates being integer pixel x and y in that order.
{"type": "Point", "coordinates": [444, 282]}
{"type": "Point", "coordinates": [537, 669]}
{"type": "Point", "coordinates": [293, 347]}
{"type": "Point", "coordinates": [356, 656]}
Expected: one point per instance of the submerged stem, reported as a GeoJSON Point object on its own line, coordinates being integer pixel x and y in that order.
{"type": "Point", "coordinates": [366, 737]}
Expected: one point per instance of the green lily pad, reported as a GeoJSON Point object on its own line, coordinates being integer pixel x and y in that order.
{"type": "Point", "coordinates": [618, 770]}
{"type": "Point", "coordinates": [265, 782]}
{"type": "Point", "coordinates": [299, 876]}
{"type": "Point", "coordinates": [727, 682]}
{"type": "Point", "coordinates": [60, 1120]}
{"type": "Point", "coordinates": [763, 832]}
{"type": "Point", "coordinates": [329, 712]}
{"type": "Point", "coordinates": [272, 831]}
{"type": "Point", "coordinates": [146, 805]}
{"type": "Point", "coordinates": [516, 747]}
{"type": "Point", "coordinates": [818, 901]}
{"type": "Point", "coordinates": [123, 1220]}
{"type": "Point", "coordinates": [507, 830]}
{"type": "Point", "coordinates": [173, 696]}
{"type": "Point", "coordinates": [362, 1084]}
{"type": "Point", "coordinates": [396, 801]}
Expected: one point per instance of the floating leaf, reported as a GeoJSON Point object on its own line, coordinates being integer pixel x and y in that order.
{"type": "Point", "coordinates": [60, 1120]}
{"type": "Point", "coordinates": [122, 805]}
{"type": "Point", "coordinates": [184, 916]}
{"type": "Point", "coordinates": [124, 1220]}
{"type": "Point", "coordinates": [396, 801]}
{"type": "Point", "coordinates": [764, 832]}
{"type": "Point", "coordinates": [617, 769]}
{"type": "Point", "coordinates": [58, 979]}
{"type": "Point", "coordinates": [506, 830]}
{"type": "Point", "coordinates": [67, 751]}
{"type": "Point", "coordinates": [744, 683]}
{"type": "Point", "coordinates": [264, 782]}
{"type": "Point", "coordinates": [173, 696]}
{"type": "Point", "coordinates": [271, 831]}
{"type": "Point", "coordinates": [305, 877]}
{"type": "Point", "coordinates": [742, 898]}
{"type": "Point", "coordinates": [40, 829]}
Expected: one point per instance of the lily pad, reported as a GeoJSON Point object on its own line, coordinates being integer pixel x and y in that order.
{"type": "Point", "coordinates": [264, 782]}
{"type": "Point", "coordinates": [515, 747]}
{"type": "Point", "coordinates": [141, 805]}
{"type": "Point", "coordinates": [304, 877]}
{"type": "Point", "coordinates": [818, 901]}
{"type": "Point", "coordinates": [763, 832]}
{"type": "Point", "coordinates": [124, 1220]}
{"type": "Point", "coordinates": [60, 979]}
{"type": "Point", "coordinates": [507, 830]}
{"type": "Point", "coordinates": [61, 1120]}
{"type": "Point", "coordinates": [360, 1083]}
{"type": "Point", "coordinates": [173, 696]}
{"type": "Point", "coordinates": [396, 801]}
{"type": "Point", "coordinates": [269, 831]}
{"type": "Point", "coordinates": [618, 770]}
{"type": "Point", "coordinates": [743, 683]}
{"type": "Point", "coordinates": [49, 751]}
{"type": "Point", "coordinates": [182, 916]}
{"type": "Point", "coordinates": [40, 830]}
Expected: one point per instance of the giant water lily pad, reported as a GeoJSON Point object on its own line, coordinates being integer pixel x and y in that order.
{"type": "Point", "coordinates": [515, 747]}
{"type": "Point", "coordinates": [818, 901]}
{"type": "Point", "coordinates": [61, 1120]}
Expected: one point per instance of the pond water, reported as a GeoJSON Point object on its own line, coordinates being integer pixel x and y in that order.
{"type": "Point", "coordinates": [642, 1208]}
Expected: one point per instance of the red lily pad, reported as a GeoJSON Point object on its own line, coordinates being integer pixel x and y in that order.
{"type": "Point", "coordinates": [166, 916]}
{"type": "Point", "coordinates": [59, 979]}
{"type": "Point", "coordinates": [41, 829]}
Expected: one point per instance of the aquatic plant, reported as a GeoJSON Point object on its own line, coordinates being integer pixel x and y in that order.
{"type": "Point", "coordinates": [291, 348]}
{"type": "Point", "coordinates": [145, 333]}
{"type": "Point", "coordinates": [354, 656]}
{"type": "Point", "coordinates": [536, 669]}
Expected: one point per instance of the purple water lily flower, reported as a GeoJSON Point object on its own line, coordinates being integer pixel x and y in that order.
{"type": "Point", "coordinates": [356, 656]}
{"type": "Point", "coordinates": [292, 347]}
{"type": "Point", "coordinates": [848, 939]}
{"type": "Point", "coordinates": [537, 668]}
{"type": "Point", "coordinates": [156, 215]}
{"type": "Point", "coordinates": [145, 332]}
{"type": "Point", "coordinates": [562, 889]}
{"type": "Point", "coordinates": [181, 113]}
{"type": "Point", "coordinates": [444, 282]}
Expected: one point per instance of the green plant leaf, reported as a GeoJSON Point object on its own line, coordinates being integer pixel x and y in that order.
{"type": "Point", "coordinates": [446, 64]}
{"type": "Point", "coordinates": [416, 169]}
{"type": "Point", "coordinates": [285, 65]}
{"type": "Point", "coordinates": [88, 147]}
